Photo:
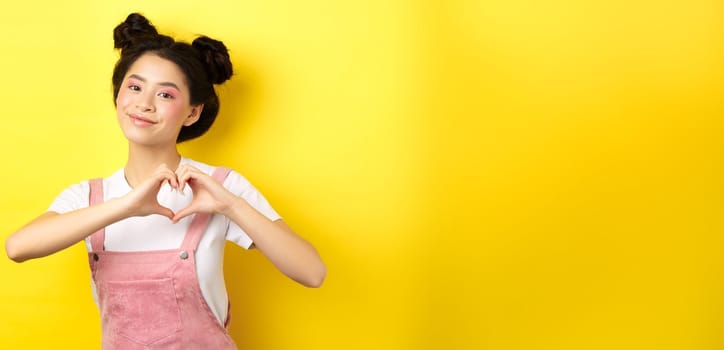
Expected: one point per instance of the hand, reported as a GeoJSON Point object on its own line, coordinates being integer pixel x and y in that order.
{"type": "Point", "coordinates": [209, 195]}
{"type": "Point", "coordinates": [142, 201]}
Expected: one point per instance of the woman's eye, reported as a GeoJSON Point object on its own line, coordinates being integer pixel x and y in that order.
{"type": "Point", "coordinates": [165, 95]}
{"type": "Point", "coordinates": [134, 87]}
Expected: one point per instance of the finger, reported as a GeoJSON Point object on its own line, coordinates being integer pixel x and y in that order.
{"type": "Point", "coordinates": [161, 210]}
{"type": "Point", "coordinates": [154, 182]}
{"type": "Point", "coordinates": [189, 174]}
{"type": "Point", "coordinates": [180, 172]}
{"type": "Point", "coordinates": [168, 177]}
{"type": "Point", "coordinates": [161, 169]}
{"type": "Point", "coordinates": [171, 177]}
{"type": "Point", "coordinates": [196, 178]}
{"type": "Point", "coordinates": [188, 180]}
{"type": "Point", "coordinates": [183, 213]}
{"type": "Point", "coordinates": [185, 177]}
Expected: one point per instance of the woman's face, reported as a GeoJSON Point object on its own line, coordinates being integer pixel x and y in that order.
{"type": "Point", "coordinates": [153, 102]}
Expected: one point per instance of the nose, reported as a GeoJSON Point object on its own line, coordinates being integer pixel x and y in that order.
{"type": "Point", "coordinates": [144, 102]}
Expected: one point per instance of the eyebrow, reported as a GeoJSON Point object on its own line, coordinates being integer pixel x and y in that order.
{"type": "Point", "coordinates": [165, 83]}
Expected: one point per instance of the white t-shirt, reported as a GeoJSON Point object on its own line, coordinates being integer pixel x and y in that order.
{"type": "Point", "coordinates": [156, 232]}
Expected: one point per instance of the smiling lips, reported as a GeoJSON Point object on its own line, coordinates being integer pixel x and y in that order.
{"type": "Point", "coordinates": [141, 121]}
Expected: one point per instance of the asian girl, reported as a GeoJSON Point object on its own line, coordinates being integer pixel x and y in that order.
{"type": "Point", "coordinates": [155, 230]}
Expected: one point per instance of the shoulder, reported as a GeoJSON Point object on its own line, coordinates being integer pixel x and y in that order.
{"type": "Point", "coordinates": [81, 189]}
{"type": "Point", "coordinates": [71, 198]}
{"type": "Point", "coordinates": [76, 196]}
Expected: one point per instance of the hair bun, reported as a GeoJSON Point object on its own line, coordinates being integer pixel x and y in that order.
{"type": "Point", "coordinates": [133, 27]}
{"type": "Point", "coordinates": [215, 58]}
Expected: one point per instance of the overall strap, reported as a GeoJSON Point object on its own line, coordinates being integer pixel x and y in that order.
{"type": "Point", "coordinates": [96, 197]}
{"type": "Point", "coordinates": [201, 220]}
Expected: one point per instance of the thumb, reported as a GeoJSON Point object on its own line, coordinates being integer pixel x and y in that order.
{"type": "Point", "coordinates": [161, 210]}
{"type": "Point", "coordinates": [183, 213]}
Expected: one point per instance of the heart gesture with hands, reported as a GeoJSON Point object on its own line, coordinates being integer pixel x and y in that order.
{"type": "Point", "coordinates": [209, 196]}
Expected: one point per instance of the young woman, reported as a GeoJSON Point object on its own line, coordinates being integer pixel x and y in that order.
{"type": "Point", "coordinates": [155, 229]}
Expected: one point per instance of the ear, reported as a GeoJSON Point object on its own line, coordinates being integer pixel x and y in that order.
{"type": "Point", "coordinates": [195, 114]}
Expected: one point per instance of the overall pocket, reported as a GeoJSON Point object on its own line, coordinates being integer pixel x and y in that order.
{"type": "Point", "coordinates": [143, 311]}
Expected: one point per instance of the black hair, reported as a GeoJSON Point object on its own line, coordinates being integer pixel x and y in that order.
{"type": "Point", "coordinates": [204, 62]}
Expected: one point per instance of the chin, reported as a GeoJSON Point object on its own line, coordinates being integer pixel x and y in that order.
{"type": "Point", "coordinates": [133, 137]}
{"type": "Point", "coordinates": [147, 140]}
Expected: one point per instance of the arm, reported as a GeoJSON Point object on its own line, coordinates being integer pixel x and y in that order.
{"type": "Point", "coordinates": [290, 253]}
{"type": "Point", "coordinates": [52, 232]}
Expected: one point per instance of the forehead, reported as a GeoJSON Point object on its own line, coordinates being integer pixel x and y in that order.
{"type": "Point", "coordinates": [157, 70]}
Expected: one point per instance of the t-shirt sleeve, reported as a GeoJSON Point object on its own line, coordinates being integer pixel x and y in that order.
{"type": "Point", "coordinates": [72, 198]}
{"type": "Point", "coordinates": [240, 186]}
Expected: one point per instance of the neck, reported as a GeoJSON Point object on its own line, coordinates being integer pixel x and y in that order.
{"type": "Point", "coordinates": [144, 160]}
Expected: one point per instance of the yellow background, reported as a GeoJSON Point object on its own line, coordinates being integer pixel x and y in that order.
{"type": "Point", "coordinates": [477, 175]}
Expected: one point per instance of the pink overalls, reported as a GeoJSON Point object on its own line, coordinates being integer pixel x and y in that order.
{"type": "Point", "coordinates": [152, 299]}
